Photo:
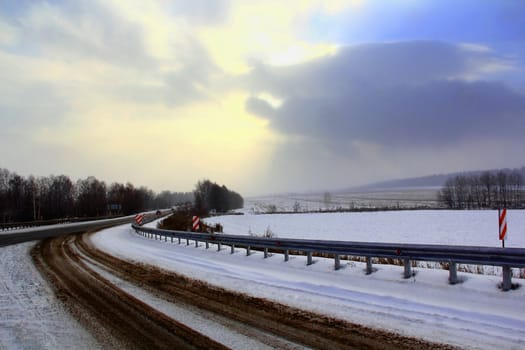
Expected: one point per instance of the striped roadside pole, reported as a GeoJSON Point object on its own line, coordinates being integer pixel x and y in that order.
{"type": "Point", "coordinates": [506, 284]}
{"type": "Point", "coordinates": [139, 219]}
{"type": "Point", "coordinates": [195, 223]}
{"type": "Point", "coordinates": [502, 225]}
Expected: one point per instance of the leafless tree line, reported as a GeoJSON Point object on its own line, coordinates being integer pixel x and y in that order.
{"type": "Point", "coordinates": [211, 196]}
{"type": "Point", "coordinates": [488, 190]}
{"type": "Point", "coordinates": [57, 197]}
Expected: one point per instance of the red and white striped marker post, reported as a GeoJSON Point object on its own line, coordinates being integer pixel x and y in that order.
{"type": "Point", "coordinates": [195, 223]}
{"type": "Point", "coordinates": [502, 225]}
{"type": "Point", "coordinates": [139, 219]}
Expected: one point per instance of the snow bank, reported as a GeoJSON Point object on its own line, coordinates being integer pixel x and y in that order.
{"type": "Point", "coordinates": [473, 314]}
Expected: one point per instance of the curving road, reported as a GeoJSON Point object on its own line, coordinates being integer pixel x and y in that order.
{"type": "Point", "coordinates": [80, 275]}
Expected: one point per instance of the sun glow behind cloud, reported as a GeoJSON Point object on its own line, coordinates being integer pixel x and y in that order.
{"type": "Point", "coordinates": [99, 87]}
{"type": "Point", "coordinates": [269, 32]}
{"type": "Point", "coordinates": [123, 107]}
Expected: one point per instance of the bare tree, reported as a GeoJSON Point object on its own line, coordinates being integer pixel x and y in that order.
{"type": "Point", "coordinates": [4, 187]}
{"type": "Point", "coordinates": [487, 190]}
{"type": "Point", "coordinates": [488, 181]}
{"type": "Point", "coordinates": [327, 199]}
{"type": "Point", "coordinates": [447, 194]}
{"type": "Point", "coordinates": [502, 183]}
{"type": "Point", "coordinates": [91, 197]}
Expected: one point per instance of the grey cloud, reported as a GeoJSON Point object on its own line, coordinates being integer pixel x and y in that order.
{"type": "Point", "coordinates": [201, 11]}
{"type": "Point", "coordinates": [355, 67]}
{"type": "Point", "coordinates": [260, 107]}
{"type": "Point", "coordinates": [25, 104]}
{"type": "Point", "coordinates": [393, 95]}
{"type": "Point", "coordinates": [95, 31]}
{"type": "Point", "coordinates": [195, 78]}
{"type": "Point", "coordinates": [83, 29]}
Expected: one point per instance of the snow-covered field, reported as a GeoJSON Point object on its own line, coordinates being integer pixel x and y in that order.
{"type": "Point", "coordinates": [451, 227]}
{"type": "Point", "coordinates": [380, 198]}
{"type": "Point", "coordinates": [479, 228]}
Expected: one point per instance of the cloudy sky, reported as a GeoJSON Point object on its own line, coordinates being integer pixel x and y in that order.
{"type": "Point", "coordinates": [263, 96]}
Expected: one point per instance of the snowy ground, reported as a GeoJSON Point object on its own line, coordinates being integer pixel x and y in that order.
{"type": "Point", "coordinates": [451, 227]}
{"type": "Point", "coordinates": [455, 227]}
{"type": "Point", "coordinates": [380, 198]}
{"type": "Point", "coordinates": [30, 315]}
{"type": "Point", "coordinates": [473, 314]}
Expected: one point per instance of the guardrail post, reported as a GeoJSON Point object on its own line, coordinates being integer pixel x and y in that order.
{"type": "Point", "coordinates": [232, 249]}
{"type": "Point", "coordinates": [248, 251]}
{"type": "Point", "coordinates": [408, 272]}
{"type": "Point", "coordinates": [265, 253]}
{"type": "Point", "coordinates": [452, 273]}
{"type": "Point", "coordinates": [369, 268]}
{"type": "Point", "coordinates": [218, 247]}
{"type": "Point", "coordinates": [187, 241]}
{"type": "Point", "coordinates": [507, 278]}
{"type": "Point", "coordinates": [309, 260]}
{"type": "Point", "coordinates": [286, 252]}
{"type": "Point", "coordinates": [337, 263]}
{"type": "Point", "coordinates": [165, 238]}
{"type": "Point", "coordinates": [179, 240]}
{"type": "Point", "coordinates": [196, 243]}
{"type": "Point", "coordinates": [207, 245]}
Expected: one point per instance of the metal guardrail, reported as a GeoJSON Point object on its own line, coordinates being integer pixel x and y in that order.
{"type": "Point", "coordinates": [61, 228]}
{"type": "Point", "coordinates": [507, 258]}
{"type": "Point", "coordinates": [41, 232]}
{"type": "Point", "coordinates": [27, 224]}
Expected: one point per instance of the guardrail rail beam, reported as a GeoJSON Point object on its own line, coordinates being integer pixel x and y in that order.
{"type": "Point", "coordinates": [507, 258]}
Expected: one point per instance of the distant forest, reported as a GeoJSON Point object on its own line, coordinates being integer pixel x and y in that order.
{"type": "Point", "coordinates": [57, 197]}
{"type": "Point", "coordinates": [437, 181]}
{"type": "Point", "coordinates": [488, 189]}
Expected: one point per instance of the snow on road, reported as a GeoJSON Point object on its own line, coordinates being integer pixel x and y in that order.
{"type": "Point", "coordinates": [473, 314]}
{"type": "Point", "coordinates": [30, 315]}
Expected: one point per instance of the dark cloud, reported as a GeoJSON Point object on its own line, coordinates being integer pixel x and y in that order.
{"type": "Point", "coordinates": [353, 68]}
{"type": "Point", "coordinates": [394, 95]}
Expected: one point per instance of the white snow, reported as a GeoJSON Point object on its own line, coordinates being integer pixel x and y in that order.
{"type": "Point", "coordinates": [473, 314]}
{"type": "Point", "coordinates": [454, 227]}
{"type": "Point", "coordinates": [192, 317]}
{"type": "Point", "coordinates": [30, 315]}
{"type": "Point", "coordinates": [451, 227]}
